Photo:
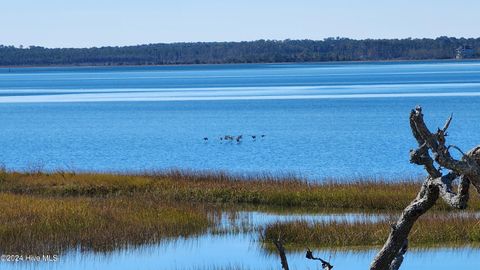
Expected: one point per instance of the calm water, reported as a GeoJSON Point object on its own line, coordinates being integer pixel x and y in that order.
{"type": "Point", "coordinates": [320, 120]}
{"type": "Point", "coordinates": [222, 252]}
{"type": "Point", "coordinates": [244, 251]}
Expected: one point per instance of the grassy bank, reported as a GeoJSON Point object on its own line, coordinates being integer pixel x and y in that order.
{"type": "Point", "coordinates": [52, 212]}
{"type": "Point", "coordinates": [428, 231]}
{"type": "Point", "coordinates": [41, 225]}
{"type": "Point", "coordinates": [220, 188]}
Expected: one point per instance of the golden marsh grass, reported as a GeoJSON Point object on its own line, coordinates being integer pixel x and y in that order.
{"type": "Point", "coordinates": [56, 211]}
{"type": "Point", "coordinates": [38, 224]}
{"type": "Point", "coordinates": [430, 230]}
{"type": "Point", "coordinates": [222, 188]}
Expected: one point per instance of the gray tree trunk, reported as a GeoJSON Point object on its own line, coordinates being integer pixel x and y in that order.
{"type": "Point", "coordinates": [281, 252]}
{"type": "Point", "coordinates": [436, 185]}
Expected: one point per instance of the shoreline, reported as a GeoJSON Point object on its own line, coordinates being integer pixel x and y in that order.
{"type": "Point", "coordinates": [231, 64]}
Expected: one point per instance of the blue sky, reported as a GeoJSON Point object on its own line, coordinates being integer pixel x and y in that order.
{"type": "Point", "coordinates": [86, 23]}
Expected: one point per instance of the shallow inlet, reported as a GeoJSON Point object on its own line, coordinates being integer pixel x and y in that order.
{"type": "Point", "coordinates": [242, 250]}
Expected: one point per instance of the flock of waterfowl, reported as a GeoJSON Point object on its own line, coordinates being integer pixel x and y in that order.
{"type": "Point", "coordinates": [238, 139]}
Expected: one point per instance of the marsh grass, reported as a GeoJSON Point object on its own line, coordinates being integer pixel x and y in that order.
{"type": "Point", "coordinates": [56, 211]}
{"type": "Point", "coordinates": [225, 189]}
{"type": "Point", "coordinates": [430, 230]}
{"type": "Point", "coordinates": [36, 224]}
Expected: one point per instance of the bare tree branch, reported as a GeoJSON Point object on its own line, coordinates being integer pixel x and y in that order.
{"type": "Point", "coordinates": [420, 156]}
{"type": "Point", "coordinates": [325, 265]}
{"type": "Point", "coordinates": [436, 144]}
{"type": "Point", "coordinates": [456, 200]}
{"type": "Point", "coordinates": [457, 148]}
{"type": "Point", "coordinates": [435, 185]}
{"type": "Point", "coordinates": [447, 124]}
{"type": "Point", "coordinates": [281, 251]}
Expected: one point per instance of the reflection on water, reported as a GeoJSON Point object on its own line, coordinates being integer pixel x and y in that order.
{"type": "Point", "coordinates": [244, 251]}
{"type": "Point", "coordinates": [209, 252]}
{"type": "Point", "coordinates": [250, 220]}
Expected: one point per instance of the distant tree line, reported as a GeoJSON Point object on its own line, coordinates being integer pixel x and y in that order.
{"type": "Point", "coordinates": [260, 51]}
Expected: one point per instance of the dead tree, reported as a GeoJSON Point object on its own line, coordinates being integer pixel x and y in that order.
{"type": "Point", "coordinates": [325, 265]}
{"type": "Point", "coordinates": [281, 252]}
{"type": "Point", "coordinates": [434, 155]}
{"type": "Point", "coordinates": [283, 258]}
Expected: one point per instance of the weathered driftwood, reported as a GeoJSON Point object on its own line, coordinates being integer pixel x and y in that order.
{"type": "Point", "coordinates": [283, 258]}
{"type": "Point", "coordinates": [437, 184]}
{"type": "Point", "coordinates": [281, 251]}
{"type": "Point", "coordinates": [325, 265]}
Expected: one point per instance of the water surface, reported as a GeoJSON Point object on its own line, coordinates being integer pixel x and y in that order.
{"type": "Point", "coordinates": [244, 251]}
{"type": "Point", "coordinates": [320, 120]}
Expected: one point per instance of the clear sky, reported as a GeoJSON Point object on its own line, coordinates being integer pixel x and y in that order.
{"type": "Point", "coordinates": [87, 23]}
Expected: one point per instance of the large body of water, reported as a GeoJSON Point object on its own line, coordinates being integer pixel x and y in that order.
{"type": "Point", "coordinates": [320, 120]}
